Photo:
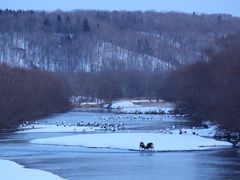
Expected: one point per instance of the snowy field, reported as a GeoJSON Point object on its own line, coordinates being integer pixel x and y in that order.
{"type": "Point", "coordinates": [131, 108]}
{"type": "Point", "coordinates": [13, 171]}
{"type": "Point", "coordinates": [130, 141]}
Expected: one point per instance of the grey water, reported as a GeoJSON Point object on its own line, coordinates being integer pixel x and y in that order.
{"type": "Point", "coordinates": [80, 163]}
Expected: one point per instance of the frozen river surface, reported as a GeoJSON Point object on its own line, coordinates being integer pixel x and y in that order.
{"type": "Point", "coordinates": [73, 162]}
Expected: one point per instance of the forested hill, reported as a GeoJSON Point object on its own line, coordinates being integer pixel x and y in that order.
{"type": "Point", "coordinates": [99, 40]}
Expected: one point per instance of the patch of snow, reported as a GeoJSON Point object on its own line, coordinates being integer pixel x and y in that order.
{"type": "Point", "coordinates": [83, 100]}
{"type": "Point", "coordinates": [105, 105]}
{"type": "Point", "coordinates": [209, 132]}
{"type": "Point", "coordinates": [122, 104]}
{"type": "Point", "coordinates": [130, 141]}
{"type": "Point", "coordinates": [238, 144]}
{"type": "Point", "coordinates": [209, 123]}
{"type": "Point", "coordinates": [90, 103]}
{"type": "Point", "coordinates": [145, 101]}
{"type": "Point", "coordinates": [13, 171]}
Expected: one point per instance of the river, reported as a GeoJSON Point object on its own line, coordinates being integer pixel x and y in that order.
{"type": "Point", "coordinates": [79, 163]}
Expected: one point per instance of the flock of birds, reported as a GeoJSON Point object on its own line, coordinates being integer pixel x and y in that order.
{"type": "Point", "coordinates": [133, 117]}
{"type": "Point", "coordinates": [192, 131]}
{"type": "Point", "coordinates": [125, 117]}
{"type": "Point", "coordinates": [113, 123]}
{"type": "Point", "coordinates": [105, 126]}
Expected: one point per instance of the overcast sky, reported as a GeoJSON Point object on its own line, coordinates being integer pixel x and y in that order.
{"type": "Point", "coordinates": [201, 6]}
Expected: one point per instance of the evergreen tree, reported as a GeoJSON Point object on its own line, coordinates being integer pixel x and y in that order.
{"type": "Point", "coordinates": [46, 22]}
{"type": "Point", "coordinates": [86, 27]}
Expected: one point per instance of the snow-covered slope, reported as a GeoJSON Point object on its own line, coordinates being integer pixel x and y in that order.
{"type": "Point", "coordinates": [95, 55]}
{"type": "Point", "coordinates": [108, 52]}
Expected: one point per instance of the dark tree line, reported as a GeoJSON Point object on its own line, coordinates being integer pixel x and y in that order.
{"type": "Point", "coordinates": [211, 90]}
{"type": "Point", "coordinates": [111, 85]}
{"type": "Point", "coordinates": [28, 94]}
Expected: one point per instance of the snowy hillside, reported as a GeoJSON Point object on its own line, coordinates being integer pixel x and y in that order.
{"type": "Point", "coordinates": [92, 40]}
{"type": "Point", "coordinates": [19, 51]}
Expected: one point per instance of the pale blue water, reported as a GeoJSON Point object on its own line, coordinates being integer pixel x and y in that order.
{"type": "Point", "coordinates": [80, 163]}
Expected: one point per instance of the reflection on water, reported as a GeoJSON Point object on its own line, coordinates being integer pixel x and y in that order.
{"type": "Point", "coordinates": [92, 163]}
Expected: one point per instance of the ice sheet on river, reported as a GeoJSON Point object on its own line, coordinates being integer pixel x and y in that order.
{"type": "Point", "coordinates": [56, 129]}
{"type": "Point", "coordinates": [130, 141]}
{"type": "Point", "coordinates": [13, 171]}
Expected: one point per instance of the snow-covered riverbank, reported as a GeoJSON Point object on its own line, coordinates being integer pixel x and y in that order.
{"type": "Point", "coordinates": [13, 171]}
{"type": "Point", "coordinates": [130, 141]}
{"type": "Point", "coordinates": [141, 107]}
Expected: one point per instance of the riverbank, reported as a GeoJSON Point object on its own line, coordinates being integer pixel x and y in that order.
{"type": "Point", "coordinates": [14, 125]}
{"type": "Point", "coordinates": [13, 171]}
{"type": "Point", "coordinates": [141, 107]}
{"type": "Point", "coordinates": [127, 106]}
